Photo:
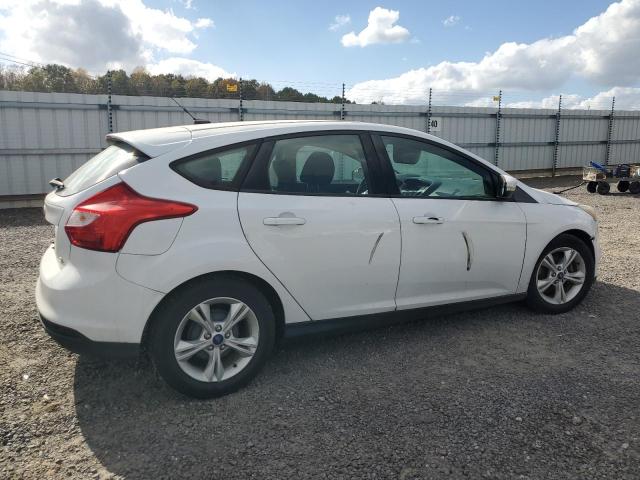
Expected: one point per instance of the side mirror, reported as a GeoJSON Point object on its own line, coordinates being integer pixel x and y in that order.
{"type": "Point", "coordinates": [506, 186]}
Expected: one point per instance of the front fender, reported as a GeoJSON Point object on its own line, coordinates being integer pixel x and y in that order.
{"type": "Point", "coordinates": [544, 223]}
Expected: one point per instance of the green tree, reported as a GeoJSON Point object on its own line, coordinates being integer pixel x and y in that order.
{"type": "Point", "coordinates": [196, 87]}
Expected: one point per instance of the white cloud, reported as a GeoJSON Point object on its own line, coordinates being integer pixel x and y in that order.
{"type": "Point", "coordinates": [160, 28]}
{"type": "Point", "coordinates": [451, 21]}
{"type": "Point", "coordinates": [94, 34]}
{"type": "Point", "coordinates": [604, 50]}
{"type": "Point", "coordinates": [204, 23]}
{"type": "Point", "coordinates": [380, 29]}
{"type": "Point", "coordinates": [188, 4]}
{"type": "Point", "coordinates": [340, 21]}
{"type": "Point", "coordinates": [189, 68]}
{"type": "Point", "coordinates": [627, 98]}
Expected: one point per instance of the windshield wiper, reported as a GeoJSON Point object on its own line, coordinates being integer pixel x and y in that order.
{"type": "Point", "coordinates": [56, 183]}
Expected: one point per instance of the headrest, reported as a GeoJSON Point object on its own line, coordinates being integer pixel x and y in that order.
{"type": "Point", "coordinates": [318, 169]}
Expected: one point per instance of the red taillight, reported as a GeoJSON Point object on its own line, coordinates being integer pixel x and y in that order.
{"type": "Point", "coordinates": [104, 221]}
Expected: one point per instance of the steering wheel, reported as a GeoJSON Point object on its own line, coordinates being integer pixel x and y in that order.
{"type": "Point", "coordinates": [418, 187]}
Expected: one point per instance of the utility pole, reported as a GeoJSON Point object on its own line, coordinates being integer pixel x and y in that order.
{"type": "Point", "coordinates": [240, 107]}
{"type": "Point", "coordinates": [342, 112]}
{"type": "Point", "coordinates": [498, 118]}
{"type": "Point", "coordinates": [428, 129]}
{"type": "Point", "coordinates": [109, 110]}
{"type": "Point", "coordinates": [610, 131]}
{"type": "Point", "coordinates": [556, 143]}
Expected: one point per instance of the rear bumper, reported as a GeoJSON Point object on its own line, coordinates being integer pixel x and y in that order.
{"type": "Point", "coordinates": [75, 342]}
{"type": "Point", "coordinates": [86, 295]}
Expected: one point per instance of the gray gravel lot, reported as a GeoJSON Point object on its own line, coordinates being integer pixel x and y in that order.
{"type": "Point", "coordinates": [497, 393]}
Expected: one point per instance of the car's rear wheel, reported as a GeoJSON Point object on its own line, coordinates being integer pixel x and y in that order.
{"type": "Point", "coordinates": [212, 337]}
{"type": "Point", "coordinates": [562, 276]}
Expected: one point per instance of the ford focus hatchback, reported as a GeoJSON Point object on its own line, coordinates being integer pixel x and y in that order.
{"type": "Point", "coordinates": [206, 244]}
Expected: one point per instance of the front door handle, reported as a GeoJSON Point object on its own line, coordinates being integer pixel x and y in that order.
{"type": "Point", "coordinates": [277, 221]}
{"type": "Point", "coordinates": [428, 219]}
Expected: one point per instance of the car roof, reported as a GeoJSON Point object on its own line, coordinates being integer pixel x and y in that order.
{"type": "Point", "coordinates": [157, 141]}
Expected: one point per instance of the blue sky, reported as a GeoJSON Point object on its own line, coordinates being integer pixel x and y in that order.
{"type": "Point", "coordinates": [384, 51]}
{"type": "Point", "coordinates": [290, 40]}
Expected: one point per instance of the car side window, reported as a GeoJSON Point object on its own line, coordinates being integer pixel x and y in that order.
{"type": "Point", "coordinates": [425, 170]}
{"type": "Point", "coordinates": [322, 164]}
{"type": "Point", "coordinates": [214, 169]}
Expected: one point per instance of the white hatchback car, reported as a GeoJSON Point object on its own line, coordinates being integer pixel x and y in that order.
{"type": "Point", "coordinates": [207, 243]}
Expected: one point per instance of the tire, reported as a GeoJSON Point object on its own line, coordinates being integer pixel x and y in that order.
{"type": "Point", "coordinates": [592, 186]}
{"type": "Point", "coordinates": [623, 186]}
{"type": "Point", "coordinates": [199, 375]}
{"type": "Point", "coordinates": [603, 188]}
{"type": "Point", "coordinates": [539, 302]}
{"type": "Point", "coordinates": [634, 188]}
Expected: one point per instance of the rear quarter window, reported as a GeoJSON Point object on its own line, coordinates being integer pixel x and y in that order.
{"type": "Point", "coordinates": [108, 162]}
{"type": "Point", "coordinates": [216, 169]}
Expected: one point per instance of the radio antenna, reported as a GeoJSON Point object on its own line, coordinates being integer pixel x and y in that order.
{"type": "Point", "coordinates": [196, 121]}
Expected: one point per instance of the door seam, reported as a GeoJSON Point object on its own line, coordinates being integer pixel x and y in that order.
{"type": "Point", "coordinates": [395, 297]}
{"type": "Point", "coordinates": [265, 266]}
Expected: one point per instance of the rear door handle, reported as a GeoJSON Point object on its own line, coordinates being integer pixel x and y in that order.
{"type": "Point", "coordinates": [277, 221]}
{"type": "Point", "coordinates": [428, 220]}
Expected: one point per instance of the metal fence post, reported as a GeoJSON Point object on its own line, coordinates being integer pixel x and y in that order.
{"type": "Point", "coordinates": [556, 143]}
{"type": "Point", "coordinates": [240, 106]}
{"type": "Point", "coordinates": [342, 112]}
{"type": "Point", "coordinates": [498, 118]}
{"type": "Point", "coordinates": [610, 131]}
{"type": "Point", "coordinates": [109, 110]}
{"type": "Point", "coordinates": [429, 113]}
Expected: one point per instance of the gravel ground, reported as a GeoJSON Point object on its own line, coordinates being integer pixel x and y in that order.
{"type": "Point", "coordinates": [497, 393]}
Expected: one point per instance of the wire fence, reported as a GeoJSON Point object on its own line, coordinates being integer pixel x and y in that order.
{"type": "Point", "coordinates": [58, 129]}
{"type": "Point", "coordinates": [17, 73]}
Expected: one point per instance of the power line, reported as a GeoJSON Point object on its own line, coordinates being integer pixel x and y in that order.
{"type": "Point", "coordinates": [20, 60]}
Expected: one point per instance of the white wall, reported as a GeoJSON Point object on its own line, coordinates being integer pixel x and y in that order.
{"type": "Point", "coordinates": [47, 135]}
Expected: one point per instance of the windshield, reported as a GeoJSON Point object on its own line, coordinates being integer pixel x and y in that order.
{"type": "Point", "coordinates": [107, 163]}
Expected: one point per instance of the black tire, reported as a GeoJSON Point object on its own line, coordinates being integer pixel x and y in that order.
{"type": "Point", "coordinates": [623, 186]}
{"type": "Point", "coordinates": [603, 188]}
{"type": "Point", "coordinates": [592, 186]}
{"type": "Point", "coordinates": [173, 310]}
{"type": "Point", "coordinates": [634, 188]}
{"type": "Point", "coordinates": [536, 301]}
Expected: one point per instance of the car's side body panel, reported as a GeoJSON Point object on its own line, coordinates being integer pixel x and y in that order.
{"type": "Point", "coordinates": [343, 261]}
{"type": "Point", "coordinates": [211, 240]}
{"type": "Point", "coordinates": [474, 251]}
{"type": "Point", "coordinates": [544, 223]}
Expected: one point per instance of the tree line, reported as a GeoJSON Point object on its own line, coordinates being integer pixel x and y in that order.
{"type": "Point", "coordinates": [58, 78]}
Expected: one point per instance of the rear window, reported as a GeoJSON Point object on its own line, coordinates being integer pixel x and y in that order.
{"type": "Point", "coordinates": [107, 163]}
{"type": "Point", "coordinates": [217, 169]}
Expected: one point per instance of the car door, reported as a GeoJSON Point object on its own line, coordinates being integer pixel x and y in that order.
{"type": "Point", "coordinates": [309, 211]}
{"type": "Point", "coordinates": [459, 242]}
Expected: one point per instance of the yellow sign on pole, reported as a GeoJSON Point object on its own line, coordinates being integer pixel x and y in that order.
{"type": "Point", "coordinates": [232, 87]}
{"type": "Point", "coordinates": [496, 98]}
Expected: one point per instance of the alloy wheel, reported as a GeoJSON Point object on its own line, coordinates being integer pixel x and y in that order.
{"type": "Point", "coordinates": [216, 339]}
{"type": "Point", "coordinates": [561, 275]}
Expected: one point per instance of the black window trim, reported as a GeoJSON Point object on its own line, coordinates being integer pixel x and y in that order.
{"type": "Point", "coordinates": [261, 159]}
{"type": "Point", "coordinates": [234, 185]}
{"type": "Point", "coordinates": [392, 187]}
{"type": "Point", "coordinates": [376, 159]}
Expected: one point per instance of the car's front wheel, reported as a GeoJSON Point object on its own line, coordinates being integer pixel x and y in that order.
{"type": "Point", "coordinates": [212, 337]}
{"type": "Point", "coordinates": [562, 276]}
